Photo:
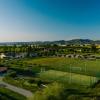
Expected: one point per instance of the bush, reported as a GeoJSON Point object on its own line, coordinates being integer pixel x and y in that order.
{"type": "Point", "coordinates": [20, 83]}
{"type": "Point", "coordinates": [51, 92]}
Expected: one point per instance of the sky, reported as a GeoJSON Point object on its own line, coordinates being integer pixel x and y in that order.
{"type": "Point", "coordinates": [48, 20]}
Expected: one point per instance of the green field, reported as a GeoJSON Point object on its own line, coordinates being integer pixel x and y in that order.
{"type": "Point", "coordinates": [86, 67]}
{"type": "Point", "coordinates": [66, 77]}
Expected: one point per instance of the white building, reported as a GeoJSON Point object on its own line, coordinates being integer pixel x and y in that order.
{"type": "Point", "coordinates": [2, 56]}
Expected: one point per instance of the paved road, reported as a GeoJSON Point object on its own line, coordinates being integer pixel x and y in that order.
{"type": "Point", "coordinates": [17, 89]}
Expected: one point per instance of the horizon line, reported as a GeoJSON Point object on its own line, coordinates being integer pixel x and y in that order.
{"type": "Point", "coordinates": [48, 40]}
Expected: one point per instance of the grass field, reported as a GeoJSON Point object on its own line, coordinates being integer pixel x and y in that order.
{"type": "Point", "coordinates": [66, 77]}
{"type": "Point", "coordinates": [86, 67]}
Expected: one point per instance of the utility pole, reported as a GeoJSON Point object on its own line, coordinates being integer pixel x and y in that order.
{"type": "Point", "coordinates": [85, 67]}
{"type": "Point", "coordinates": [42, 69]}
{"type": "Point", "coordinates": [70, 74]}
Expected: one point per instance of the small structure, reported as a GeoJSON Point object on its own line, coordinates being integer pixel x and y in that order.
{"type": "Point", "coordinates": [33, 55]}
{"type": "Point", "coordinates": [10, 54]}
{"type": "Point", "coordinates": [97, 57]}
{"type": "Point", "coordinates": [2, 56]}
{"type": "Point", "coordinates": [70, 56]}
{"type": "Point", "coordinates": [3, 70]}
{"type": "Point", "coordinates": [20, 55]}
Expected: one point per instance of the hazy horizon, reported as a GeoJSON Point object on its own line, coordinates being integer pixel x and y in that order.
{"type": "Point", "coordinates": [49, 20]}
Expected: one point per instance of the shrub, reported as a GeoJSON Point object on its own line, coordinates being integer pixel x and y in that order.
{"type": "Point", "coordinates": [53, 91]}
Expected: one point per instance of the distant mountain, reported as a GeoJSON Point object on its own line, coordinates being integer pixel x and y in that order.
{"type": "Point", "coordinates": [63, 42]}
{"type": "Point", "coordinates": [80, 41]}
{"type": "Point", "coordinates": [74, 41]}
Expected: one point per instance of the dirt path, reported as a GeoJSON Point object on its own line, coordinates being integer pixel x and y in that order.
{"type": "Point", "coordinates": [17, 89]}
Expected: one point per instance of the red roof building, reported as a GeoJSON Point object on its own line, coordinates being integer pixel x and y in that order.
{"type": "Point", "coordinates": [3, 69]}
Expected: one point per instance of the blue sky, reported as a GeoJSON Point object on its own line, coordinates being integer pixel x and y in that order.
{"type": "Point", "coordinates": [36, 20]}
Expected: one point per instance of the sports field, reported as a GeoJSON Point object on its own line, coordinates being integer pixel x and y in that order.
{"type": "Point", "coordinates": [66, 77]}
{"type": "Point", "coordinates": [86, 67]}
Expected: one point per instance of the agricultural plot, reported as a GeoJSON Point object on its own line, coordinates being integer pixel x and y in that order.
{"type": "Point", "coordinates": [66, 77]}
{"type": "Point", "coordinates": [86, 67]}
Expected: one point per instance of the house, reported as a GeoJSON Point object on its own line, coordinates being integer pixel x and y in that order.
{"type": "Point", "coordinates": [20, 55]}
{"type": "Point", "coordinates": [33, 55]}
{"type": "Point", "coordinates": [10, 54]}
{"type": "Point", "coordinates": [74, 56]}
{"type": "Point", "coordinates": [79, 56]}
{"type": "Point", "coordinates": [15, 55]}
{"type": "Point", "coordinates": [97, 57]}
{"type": "Point", "coordinates": [3, 70]}
{"type": "Point", "coordinates": [70, 56]}
{"type": "Point", "coordinates": [2, 56]}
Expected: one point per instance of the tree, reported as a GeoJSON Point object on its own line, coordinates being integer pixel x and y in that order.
{"type": "Point", "coordinates": [94, 49]}
{"type": "Point", "coordinates": [53, 91]}
{"type": "Point", "coordinates": [29, 50]}
{"type": "Point", "coordinates": [74, 97]}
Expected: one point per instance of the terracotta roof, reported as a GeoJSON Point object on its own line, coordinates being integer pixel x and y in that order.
{"type": "Point", "coordinates": [3, 69]}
